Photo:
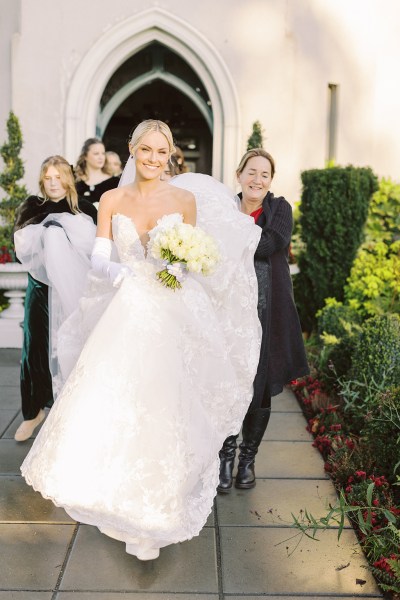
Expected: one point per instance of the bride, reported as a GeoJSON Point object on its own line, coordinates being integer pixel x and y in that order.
{"type": "Point", "coordinates": [156, 378]}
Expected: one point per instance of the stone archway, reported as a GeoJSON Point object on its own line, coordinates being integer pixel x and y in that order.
{"type": "Point", "coordinates": [124, 40]}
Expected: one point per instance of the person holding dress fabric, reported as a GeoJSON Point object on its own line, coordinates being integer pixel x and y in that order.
{"type": "Point", "coordinates": [41, 232]}
{"type": "Point", "coordinates": [282, 356]}
{"type": "Point", "coordinates": [160, 376]}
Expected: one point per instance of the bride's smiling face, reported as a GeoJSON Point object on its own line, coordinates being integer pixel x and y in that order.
{"type": "Point", "coordinates": [151, 155]}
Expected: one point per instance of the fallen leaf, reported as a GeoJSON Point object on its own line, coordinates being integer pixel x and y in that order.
{"type": "Point", "coordinates": [340, 567]}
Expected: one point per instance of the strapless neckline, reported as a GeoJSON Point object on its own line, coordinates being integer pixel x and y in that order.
{"type": "Point", "coordinates": [158, 224]}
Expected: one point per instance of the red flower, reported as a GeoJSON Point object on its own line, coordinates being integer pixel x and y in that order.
{"type": "Point", "coordinates": [335, 427]}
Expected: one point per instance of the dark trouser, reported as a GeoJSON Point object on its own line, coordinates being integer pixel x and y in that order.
{"type": "Point", "coordinates": [254, 426]}
{"type": "Point", "coordinates": [35, 379]}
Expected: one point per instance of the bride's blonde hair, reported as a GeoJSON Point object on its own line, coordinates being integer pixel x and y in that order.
{"type": "Point", "coordinates": [146, 127]}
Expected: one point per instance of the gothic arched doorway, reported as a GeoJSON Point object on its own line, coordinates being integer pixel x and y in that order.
{"type": "Point", "coordinates": [157, 83]}
{"type": "Point", "coordinates": [131, 35]}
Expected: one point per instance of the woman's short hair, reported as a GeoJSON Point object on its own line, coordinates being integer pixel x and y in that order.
{"type": "Point", "coordinates": [148, 126]}
{"type": "Point", "coordinates": [255, 152]}
{"type": "Point", "coordinates": [66, 178]}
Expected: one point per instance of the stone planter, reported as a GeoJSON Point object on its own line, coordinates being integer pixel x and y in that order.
{"type": "Point", "coordinates": [13, 282]}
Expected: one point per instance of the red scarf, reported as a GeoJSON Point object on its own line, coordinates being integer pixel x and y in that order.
{"type": "Point", "coordinates": [255, 214]}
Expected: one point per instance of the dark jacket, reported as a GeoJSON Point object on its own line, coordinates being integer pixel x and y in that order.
{"type": "Point", "coordinates": [282, 356]}
{"type": "Point", "coordinates": [34, 210]}
{"type": "Point", "coordinates": [93, 193]}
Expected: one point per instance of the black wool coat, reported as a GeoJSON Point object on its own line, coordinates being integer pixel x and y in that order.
{"type": "Point", "coordinates": [282, 355]}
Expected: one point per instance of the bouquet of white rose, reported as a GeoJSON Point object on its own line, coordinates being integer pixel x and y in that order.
{"type": "Point", "coordinates": [183, 248]}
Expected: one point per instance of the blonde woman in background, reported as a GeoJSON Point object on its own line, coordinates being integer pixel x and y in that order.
{"type": "Point", "coordinates": [113, 164]}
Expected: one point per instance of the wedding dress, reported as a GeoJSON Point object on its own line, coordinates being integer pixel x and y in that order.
{"type": "Point", "coordinates": [131, 444]}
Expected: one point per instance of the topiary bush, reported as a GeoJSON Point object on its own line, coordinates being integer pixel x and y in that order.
{"type": "Point", "coordinates": [15, 194]}
{"type": "Point", "coordinates": [334, 208]}
{"type": "Point", "coordinates": [256, 138]}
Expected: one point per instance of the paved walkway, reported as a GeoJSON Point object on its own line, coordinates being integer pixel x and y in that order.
{"type": "Point", "coordinates": [244, 552]}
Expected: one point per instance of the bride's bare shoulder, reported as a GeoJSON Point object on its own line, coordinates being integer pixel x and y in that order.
{"type": "Point", "coordinates": [183, 196]}
{"type": "Point", "coordinates": [113, 197]}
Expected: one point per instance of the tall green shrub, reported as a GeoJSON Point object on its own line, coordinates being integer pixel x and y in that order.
{"type": "Point", "coordinates": [256, 138]}
{"type": "Point", "coordinates": [334, 208]}
{"type": "Point", "coordinates": [377, 353]}
{"type": "Point", "coordinates": [12, 172]}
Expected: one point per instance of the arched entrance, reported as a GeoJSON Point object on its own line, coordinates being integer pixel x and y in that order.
{"type": "Point", "coordinates": [157, 83]}
{"type": "Point", "coordinates": [127, 38]}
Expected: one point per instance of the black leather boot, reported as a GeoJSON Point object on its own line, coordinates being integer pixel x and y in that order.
{"type": "Point", "coordinates": [227, 460]}
{"type": "Point", "coordinates": [254, 426]}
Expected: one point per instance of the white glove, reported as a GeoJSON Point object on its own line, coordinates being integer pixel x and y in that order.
{"type": "Point", "coordinates": [102, 264]}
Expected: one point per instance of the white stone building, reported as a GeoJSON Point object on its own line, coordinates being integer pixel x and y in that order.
{"type": "Point", "coordinates": [320, 75]}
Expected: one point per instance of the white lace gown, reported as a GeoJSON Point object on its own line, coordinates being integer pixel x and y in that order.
{"type": "Point", "coordinates": [131, 444]}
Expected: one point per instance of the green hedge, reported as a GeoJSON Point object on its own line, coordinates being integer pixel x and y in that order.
{"type": "Point", "coordinates": [334, 208]}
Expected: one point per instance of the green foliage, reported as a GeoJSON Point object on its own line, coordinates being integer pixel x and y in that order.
{"type": "Point", "coordinates": [369, 505]}
{"type": "Point", "coordinates": [12, 172]}
{"type": "Point", "coordinates": [337, 318]}
{"type": "Point", "coordinates": [383, 221]}
{"type": "Point", "coordinates": [334, 209]}
{"type": "Point", "coordinates": [373, 287]}
{"type": "Point", "coordinates": [256, 138]}
{"type": "Point", "coordinates": [380, 433]}
{"type": "Point", "coordinates": [377, 352]}
{"type": "Point", "coordinates": [338, 328]}
{"type": "Point", "coordinates": [297, 245]}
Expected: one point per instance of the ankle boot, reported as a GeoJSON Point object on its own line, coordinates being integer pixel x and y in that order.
{"type": "Point", "coordinates": [254, 426]}
{"type": "Point", "coordinates": [227, 460]}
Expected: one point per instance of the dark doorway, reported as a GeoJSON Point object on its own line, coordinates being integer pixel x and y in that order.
{"type": "Point", "coordinates": [160, 100]}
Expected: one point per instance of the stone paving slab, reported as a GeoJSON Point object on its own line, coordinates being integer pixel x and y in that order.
{"type": "Point", "coordinates": [7, 415]}
{"type": "Point", "coordinates": [285, 402]}
{"type": "Point", "coordinates": [272, 501]}
{"type": "Point", "coordinates": [32, 555]}
{"type": "Point", "coordinates": [283, 460]}
{"type": "Point", "coordinates": [10, 356]}
{"type": "Point", "coordinates": [262, 566]}
{"type": "Point", "coordinates": [287, 426]}
{"type": "Point", "coordinates": [185, 568]}
{"type": "Point", "coordinates": [9, 375]}
{"type": "Point", "coordinates": [12, 455]}
{"type": "Point", "coordinates": [10, 397]}
{"type": "Point", "coordinates": [20, 503]}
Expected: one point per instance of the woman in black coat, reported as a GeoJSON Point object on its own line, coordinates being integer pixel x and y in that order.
{"type": "Point", "coordinates": [282, 355]}
{"type": "Point", "coordinates": [92, 175]}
